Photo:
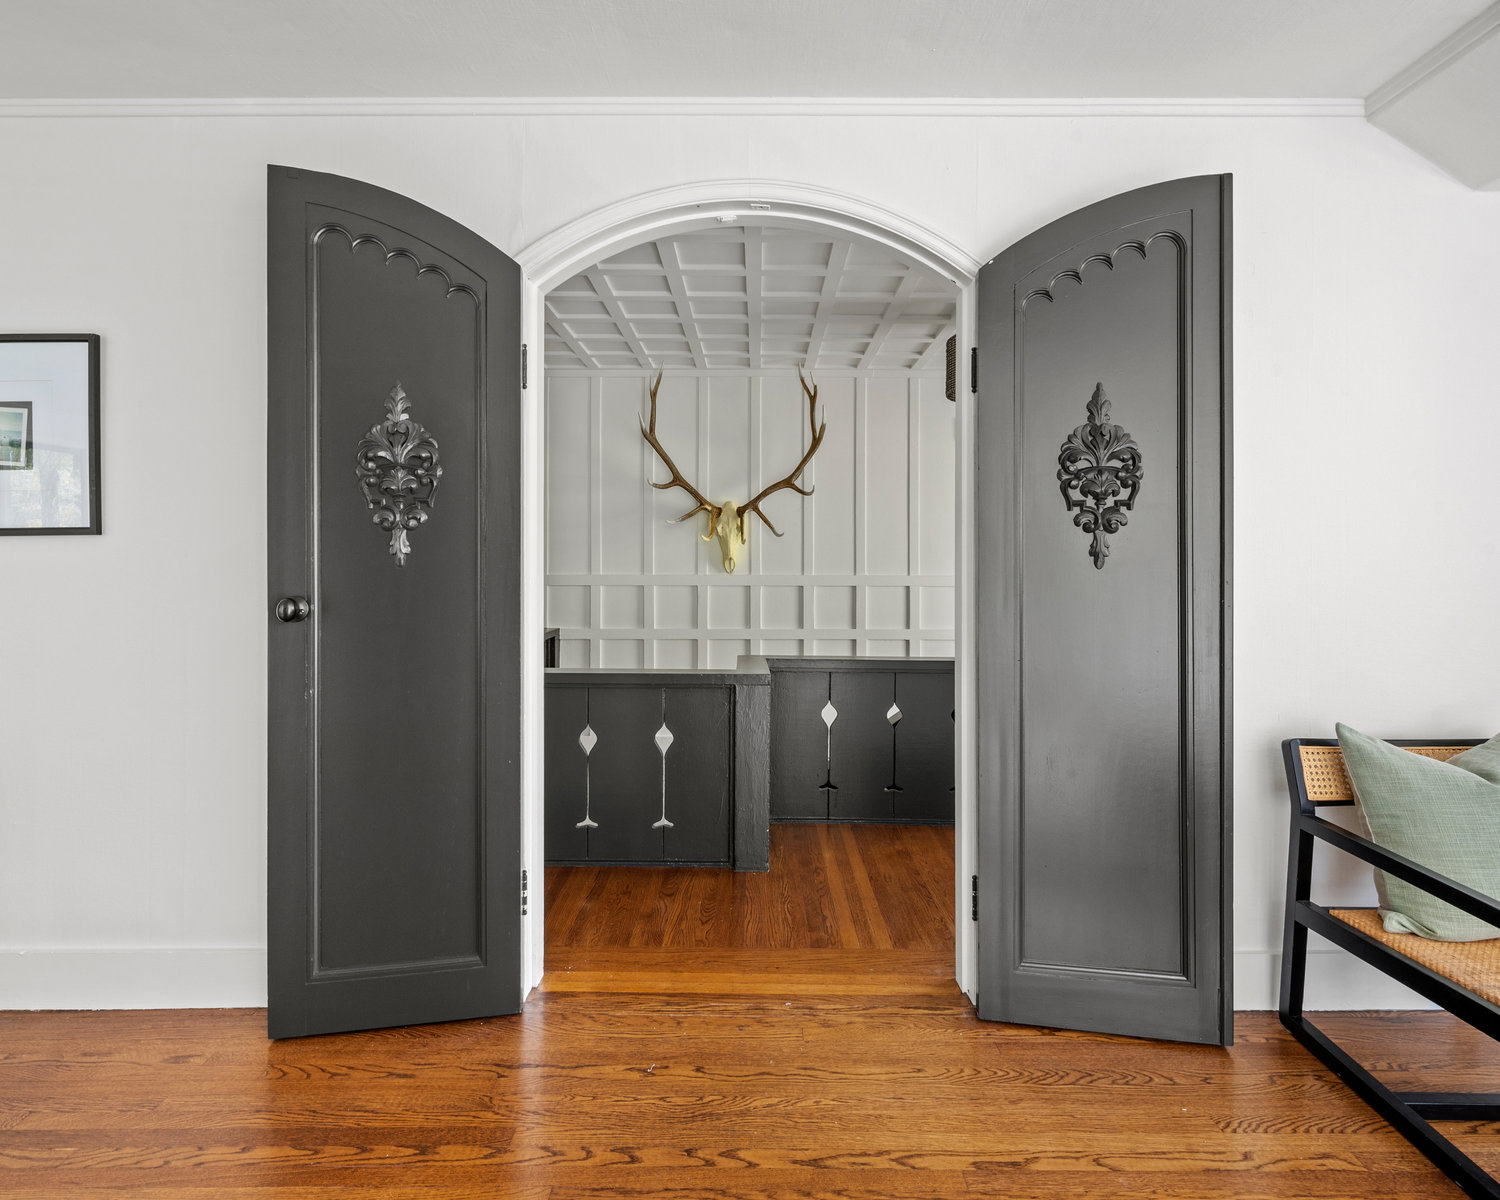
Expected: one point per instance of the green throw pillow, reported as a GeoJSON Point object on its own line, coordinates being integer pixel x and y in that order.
{"type": "Point", "coordinates": [1444, 815]}
{"type": "Point", "coordinates": [1483, 760]}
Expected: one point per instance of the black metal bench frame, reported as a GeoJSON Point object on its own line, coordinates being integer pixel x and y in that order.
{"type": "Point", "coordinates": [1411, 1113]}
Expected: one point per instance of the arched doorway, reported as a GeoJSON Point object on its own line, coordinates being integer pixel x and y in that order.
{"type": "Point", "coordinates": [555, 257]}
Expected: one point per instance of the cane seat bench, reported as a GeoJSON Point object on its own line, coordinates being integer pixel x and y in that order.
{"type": "Point", "coordinates": [1462, 977]}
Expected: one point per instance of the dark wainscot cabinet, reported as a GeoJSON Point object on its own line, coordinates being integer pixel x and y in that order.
{"type": "Point", "coordinates": [691, 767]}
{"type": "Point", "coordinates": [862, 739]}
{"type": "Point", "coordinates": [658, 767]}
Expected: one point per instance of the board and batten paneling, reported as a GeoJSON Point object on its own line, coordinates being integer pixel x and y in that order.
{"type": "Point", "coordinates": [864, 566]}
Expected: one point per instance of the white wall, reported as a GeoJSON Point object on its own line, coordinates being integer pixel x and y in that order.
{"type": "Point", "coordinates": [864, 565]}
{"type": "Point", "coordinates": [132, 801]}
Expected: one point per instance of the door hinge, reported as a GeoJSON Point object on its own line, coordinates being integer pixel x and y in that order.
{"type": "Point", "coordinates": [973, 897]}
{"type": "Point", "coordinates": [974, 369]}
{"type": "Point", "coordinates": [523, 366]}
{"type": "Point", "coordinates": [523, 892]}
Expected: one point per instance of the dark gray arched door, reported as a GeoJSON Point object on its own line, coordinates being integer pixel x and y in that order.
{"type": "Point", "coordinates": [394, 567]}
{"type": "Point", "coordinates": [1103, 601]}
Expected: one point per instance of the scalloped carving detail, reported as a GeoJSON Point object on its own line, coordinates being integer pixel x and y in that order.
{"type": "Point", "coordinates": [392, 254]}
{"type": "Point", "coordinates": [1141, 246]}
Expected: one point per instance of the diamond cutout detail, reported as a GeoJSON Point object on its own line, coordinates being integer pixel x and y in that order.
{"type": "Point", "coordinates": [893, 714]}
{"type": "Point", "coordinates": [586, 742]}
{"type": "Point", "coordinates": [663, 740]}
{"type": "Point", "coordinates": [830, 714]}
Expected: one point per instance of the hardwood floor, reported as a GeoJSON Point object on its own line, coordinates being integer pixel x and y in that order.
{"type": "Point", "coordinates": [700, 1035]}
{"type": "Point", "coordinates": [830, 887]}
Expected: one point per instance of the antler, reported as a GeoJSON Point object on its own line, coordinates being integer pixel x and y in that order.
{"type": "Point", "coordinates": [678, 479]}
{"type": "Point", "coordinates": [790, 481]}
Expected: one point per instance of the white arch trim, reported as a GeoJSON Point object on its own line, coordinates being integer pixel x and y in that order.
{"type": "Point", "coordinates": [561, 254]}
{"type": "Point", "coordinates": [565, 251]}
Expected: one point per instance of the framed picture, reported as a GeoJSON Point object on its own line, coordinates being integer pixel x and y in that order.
{"type": "Point", "coordinates": [49, 433]}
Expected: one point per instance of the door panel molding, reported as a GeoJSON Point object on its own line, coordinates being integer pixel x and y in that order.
{"type": "Point", "coordinates": [401, 250]}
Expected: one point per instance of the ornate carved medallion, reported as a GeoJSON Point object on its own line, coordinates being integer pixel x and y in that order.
{"type": "Point", "coordinates": [1099, 472]}
{"type": "Point", "coordinates": [397, 466]}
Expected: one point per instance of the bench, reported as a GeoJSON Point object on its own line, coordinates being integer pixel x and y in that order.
{"type": "Point", "coordinates": [1462, 977]}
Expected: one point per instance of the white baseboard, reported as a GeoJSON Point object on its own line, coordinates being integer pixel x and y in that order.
{"type": "Point", "coordinates": [216, 977]}
{"type": "Point", "coordinates": [188, 977]}
{"type": "Point", "coordinates": [1335, 980]}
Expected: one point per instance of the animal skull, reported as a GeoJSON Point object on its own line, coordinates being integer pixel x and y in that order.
{"type": "Point", "coordinates": [729, 530]}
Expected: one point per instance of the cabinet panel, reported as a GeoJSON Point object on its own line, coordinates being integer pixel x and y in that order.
{"type": "Point", "coordinates": [623, 778]}
{"type": "Point", "coordinates": [924, 747]}
{"type": "Point", "coordinates": [567, 779]}
{"type": "Point", "coordinates": [698, 775]}
{"type": "Point", "coordinates": [626, 774]}
{"type": "Point", "coordinates": [799, 746]}
{"type": "Point", "coordinates": [860, 759]}
{"type": "Point", "coordinates": [871, 777]}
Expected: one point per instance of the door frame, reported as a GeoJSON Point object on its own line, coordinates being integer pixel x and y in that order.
{"type": "Point", "coordinates": [556, 257]}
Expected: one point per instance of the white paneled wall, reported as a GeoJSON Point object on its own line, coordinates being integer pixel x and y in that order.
{"type": "Point", "coordinates": [864, 566]}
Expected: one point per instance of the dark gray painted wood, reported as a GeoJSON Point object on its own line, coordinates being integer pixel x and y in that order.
{"type": "Point", "coordinates": [862, 743]}
{"type": "Point", "coordinates": [824, 664]}
{"type": "Point", "coordinates": [718, 766]}
{"type": "Point", "coordinates": [752, 775]}
{"type": "Point", "coordinates": [626, 774]}
{"type": "Point", "coordinates": [568, 775]}
{"type": "Point", "coordinates": [924, 747]}
{"type": "Point", "coordinates": [394, 790]}
{"type": "Point", "coordinates": [1104, 796]}
{"type": "Point", "coordinates": [800, 763]}
{"type": "Point", "coordinates": [699, 766]}
{"type": "Point", "coordinates": [721, 760]}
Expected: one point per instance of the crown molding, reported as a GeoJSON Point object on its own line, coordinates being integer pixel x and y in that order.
{"type": "Point", "coordinates": [639, 106]}
{"type": "Point", "coordinates": [1449, 50]}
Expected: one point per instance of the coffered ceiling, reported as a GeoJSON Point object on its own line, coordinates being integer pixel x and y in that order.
{"type": "Point", "coordinates": [751, 297]}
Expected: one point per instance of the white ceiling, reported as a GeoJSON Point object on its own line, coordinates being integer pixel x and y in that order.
{"type": "Point", "coordinates": [1446, 105]}
{"type": "Point", "coordinates": [60, 49]}
{"type": "Point", "coordinates": [748, 297]}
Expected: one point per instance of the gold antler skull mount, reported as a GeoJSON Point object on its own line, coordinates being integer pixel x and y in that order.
{"type": "Point", "coordinates": [726, 521]}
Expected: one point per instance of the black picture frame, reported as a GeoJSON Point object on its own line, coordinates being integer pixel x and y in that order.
{"type": "Point", "coordinates": [52, 483]}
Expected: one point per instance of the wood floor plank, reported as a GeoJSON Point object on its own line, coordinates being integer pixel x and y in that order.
{"type": "Point", "coordinates": [858, 873]}
{"type": "Point", "coordinates": [850, 936]}
{"type": "Point", "coordinates": [348, 1191]}
{"type": "Point", "coordinates": [1420, 1184]}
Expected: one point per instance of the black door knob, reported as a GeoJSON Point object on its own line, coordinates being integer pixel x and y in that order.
{"type": "Point", "coordinates": [293, 608]}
